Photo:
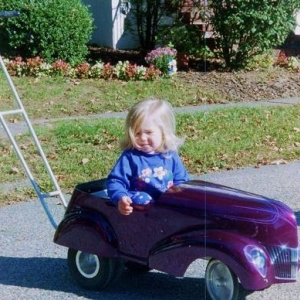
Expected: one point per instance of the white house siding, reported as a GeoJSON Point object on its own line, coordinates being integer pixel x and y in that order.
{"type": "Point", "coordinates": [110, 25]}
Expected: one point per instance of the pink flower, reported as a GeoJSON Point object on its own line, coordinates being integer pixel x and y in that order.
{"type": "Point", "coordinates": [160, 52]}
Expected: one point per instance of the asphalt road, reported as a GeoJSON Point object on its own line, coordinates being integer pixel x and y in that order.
{"type": "Point", "coordinates": [33, 267]}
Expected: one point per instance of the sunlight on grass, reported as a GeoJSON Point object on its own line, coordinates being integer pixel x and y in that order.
{"type": "Point", "coordinates": [234, 138]}
{"type": "Point", "coordinates": [80, 151]}
{"type": "Point", "coordinates": [48, 97]}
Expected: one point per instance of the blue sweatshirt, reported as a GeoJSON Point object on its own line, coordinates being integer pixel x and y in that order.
{"type": "Point", "coordinates": [151, 173]}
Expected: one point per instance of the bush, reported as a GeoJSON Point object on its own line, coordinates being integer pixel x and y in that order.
{"type": "Point", "coordinates": [245, 28]}
{"type": "Point", "coordinates": [262, 61]}
{"type": "Point", "coordinates": [51, 29]}
{"type": "Point", "coordinates": [184, 38]}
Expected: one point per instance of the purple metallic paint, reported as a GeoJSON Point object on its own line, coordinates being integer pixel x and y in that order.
{"type": "Point", "coordinates": [195, 220]}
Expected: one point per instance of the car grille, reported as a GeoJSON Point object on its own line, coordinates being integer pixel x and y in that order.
{"type": "Point", "coordinates": [285, 262]}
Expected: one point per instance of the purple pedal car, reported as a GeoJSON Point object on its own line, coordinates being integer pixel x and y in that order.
{"type": "Point", "coordinates": [247, 239]}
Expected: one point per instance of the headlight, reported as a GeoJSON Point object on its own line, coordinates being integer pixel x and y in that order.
{"type": "Point", "coordinates": [257, 257]}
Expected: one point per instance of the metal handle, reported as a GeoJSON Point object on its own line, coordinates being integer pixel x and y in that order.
{"type": "Point", "coordinates": [9, 13]}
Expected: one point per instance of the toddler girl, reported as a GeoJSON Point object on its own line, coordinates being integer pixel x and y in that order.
{"type": "Point", "coordinates": [149, 164]}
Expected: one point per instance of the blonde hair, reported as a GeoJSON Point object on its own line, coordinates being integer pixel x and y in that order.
{"type": "Point", "coordinates": [162, 113]}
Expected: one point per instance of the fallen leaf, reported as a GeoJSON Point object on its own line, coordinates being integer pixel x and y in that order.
{"type": "Point", "coordinates": [23, 147]}
{"type": "Point", "coordinates": [60, 177]}
{"type": "Point", "coordinates": [297, 144]}
{"type": "Point", "coordinates": [52, 156]}
{"type": "Point", "coordinates": [279, 162]}
{"type": "Point", "coordinates": [15, 170]}
{"type": "Point", "coordinates": [13, 120]}
{"type": "Point", "coordinates": [84, 161]}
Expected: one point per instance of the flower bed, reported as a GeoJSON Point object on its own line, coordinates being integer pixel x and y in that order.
{"type": "Point", "coordinates": [162, 58]}
{"type": "Point", "coordinates": [37, 67]}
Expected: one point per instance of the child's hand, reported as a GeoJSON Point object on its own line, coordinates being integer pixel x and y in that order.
{"type": "Point", "coordinates": [124, 206]}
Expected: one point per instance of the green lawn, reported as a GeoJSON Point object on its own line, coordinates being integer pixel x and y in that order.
{"type": "Point", "coordinates": [83, 150]}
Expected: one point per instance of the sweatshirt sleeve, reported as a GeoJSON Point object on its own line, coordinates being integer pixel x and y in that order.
{"type": "Point", "coordinates": [180, 173]}
{"type": "Point", "coordinates": [118, 181]}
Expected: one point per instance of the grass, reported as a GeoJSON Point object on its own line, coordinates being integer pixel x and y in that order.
{"type": "Point", "coordinates": [83, 150]}
{"type": "Point", "coordinates": [61, 97]}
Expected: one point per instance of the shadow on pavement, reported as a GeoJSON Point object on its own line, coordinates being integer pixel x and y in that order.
{"type": "Point", "coordinates": [53, 274]}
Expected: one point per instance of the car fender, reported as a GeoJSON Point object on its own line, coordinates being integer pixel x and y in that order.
{"type": "Point", "coordinates": [176, 254]}
{"type": "Point", "coordinates": [87, 231]}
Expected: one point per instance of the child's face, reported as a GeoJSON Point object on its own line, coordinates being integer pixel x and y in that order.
{"type": "Point", "coordinates": [148, 138]}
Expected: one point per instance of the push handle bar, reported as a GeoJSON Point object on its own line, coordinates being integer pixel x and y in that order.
{"type": "Point", "coordinates": [9, 13]}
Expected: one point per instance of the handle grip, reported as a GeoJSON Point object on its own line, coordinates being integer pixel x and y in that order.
{"type": "Point", "coordinates": [9, 13]}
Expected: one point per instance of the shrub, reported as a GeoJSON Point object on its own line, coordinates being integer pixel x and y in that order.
{"type": "Point", "coordinates": [248, 28]}
{"type": "Point", "coordinates": [51, 29]}
{"type": "Point", "coordinates": [293, 64]}
{"type": "Point", "coordinates": [261, 61]}
{"type": "Point", "coordinates": [184, 38]}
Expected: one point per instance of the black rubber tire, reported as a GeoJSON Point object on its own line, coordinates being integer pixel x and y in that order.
{"type": "Point", "coordinates": [91, 271]}
{"type": "Point", "coordinates": [136, 267]}
{"type": "Point", "coordinates": [221, 282]}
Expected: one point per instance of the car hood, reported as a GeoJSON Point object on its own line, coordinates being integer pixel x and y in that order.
{"type": "Point", "coordinates": [197, 194]}
{"type": "Point", "coordinates": [228, 207]}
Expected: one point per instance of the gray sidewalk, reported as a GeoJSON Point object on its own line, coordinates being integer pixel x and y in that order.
{"type": "Point", "coordinates": [20, 127]}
